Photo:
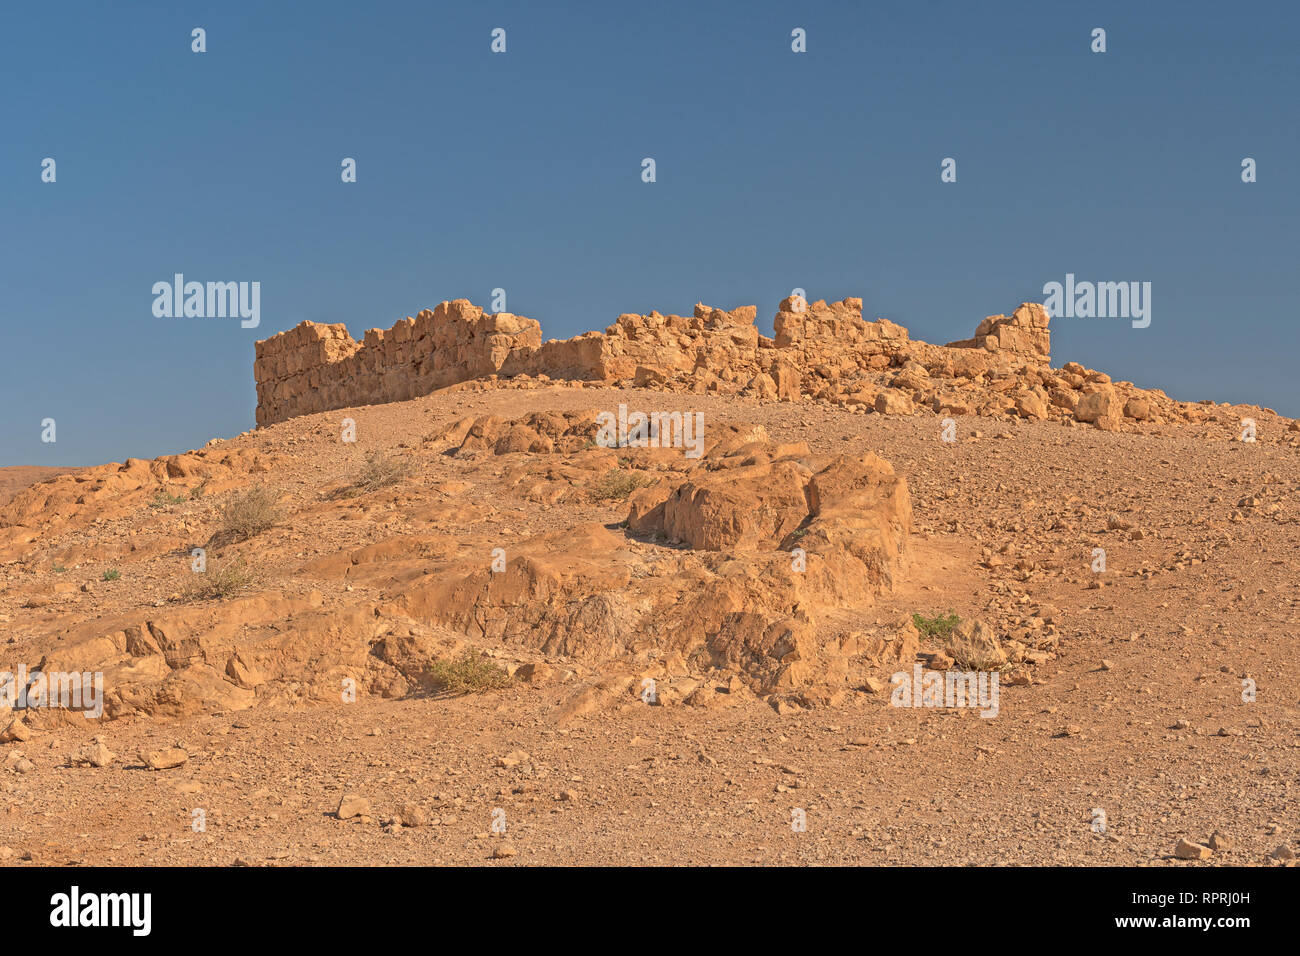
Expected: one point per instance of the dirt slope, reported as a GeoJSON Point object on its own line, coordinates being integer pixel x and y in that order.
{"type": "Point", "coordinates": [1122, 689]}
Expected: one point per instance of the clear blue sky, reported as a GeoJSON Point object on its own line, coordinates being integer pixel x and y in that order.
{"type": "Point", "coordinates": [775, 170]}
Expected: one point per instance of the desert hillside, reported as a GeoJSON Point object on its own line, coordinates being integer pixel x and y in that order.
{"type": "Point", "coordinates": [15, 478]}
{"type": "Point", "coordinates": [447, 603]}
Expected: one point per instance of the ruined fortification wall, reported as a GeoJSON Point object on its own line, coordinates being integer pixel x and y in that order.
{"type": "Point", "coordinates": [1022, 334]}
{"type": "Point", "coordinates": [315, 368]}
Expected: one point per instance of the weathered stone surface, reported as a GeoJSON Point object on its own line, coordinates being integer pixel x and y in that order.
{"type": "Point", "coordinates": [1100, 408]}
{"type": "Point", "coordinates": [893, 402]}
{"type": "Point", "coordinates": [773, 538]}
{"type": "Point", "coordinates": [974, 645]}
{"type": "Point", "coordinates": [1185, 849]}
{"type": "Point", "coordinates": [736, 508]}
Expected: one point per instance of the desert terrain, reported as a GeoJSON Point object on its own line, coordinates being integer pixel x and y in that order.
{"type": "Point", "coordinates": [453, 624]}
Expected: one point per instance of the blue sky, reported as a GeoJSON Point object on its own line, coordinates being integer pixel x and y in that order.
{"type": "Point", "coordinates": [521, 170]}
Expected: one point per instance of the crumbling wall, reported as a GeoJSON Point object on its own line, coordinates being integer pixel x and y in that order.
{"type": "Point", "coordinates": [315, 368]}
{"type": "Point", "coordinates": [1022, 334]}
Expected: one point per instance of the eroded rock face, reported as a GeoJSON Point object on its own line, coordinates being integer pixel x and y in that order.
{"type": "Point", "coordinates": [741, 508]}
{"type": "Point", "coordinates": [107, 491]}
{"type": "Point", "coordinates": [1100, 408]}
{"type": "Point", "coordinates": [209, 658]}
{"type": "Point", "coordinates": [773, 538]}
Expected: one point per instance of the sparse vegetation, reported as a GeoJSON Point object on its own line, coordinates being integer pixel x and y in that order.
{"type": "Point", "coordinates": [471, 673]}
{"type": "Point", "coordinates": [199, 490]}
{"type": "Point", "coordinates": [220, 583]}
{"type": "Point", "coordinates": [380, 471]}
{"type": "Point", "coordinates": [616, 485]}
{"type": "Point", "coordinates": [938, 628]}
{"type": "Point", "coordinates": [248, 514]}
{"type": "Point", "coordinates": [112, 574]}
{"type": "Point", "coordinates": [163, 499]}
{"type": "Point", "coordinates": [58, 569]}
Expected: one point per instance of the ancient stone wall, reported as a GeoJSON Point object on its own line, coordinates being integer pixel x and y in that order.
{"type": "Point", "coordinates": [315, 368]}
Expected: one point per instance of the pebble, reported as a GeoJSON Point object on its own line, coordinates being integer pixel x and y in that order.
{"type": "Point", "coordinates": [513, 759]}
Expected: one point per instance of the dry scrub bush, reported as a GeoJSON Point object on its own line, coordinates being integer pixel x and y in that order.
{"type": "Point", "coordinates": [220, 583]}
{"type": "Point", "coordinates": [380, 471]}
{"type": "Point", "coordinates": [471, 673]}
{"type": "Point", "coordinates": [616, 485]}
{"type": "Point", "coordinates": [248, 514]}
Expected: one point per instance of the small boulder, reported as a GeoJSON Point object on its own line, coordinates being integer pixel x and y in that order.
{"type": "Point", "coordinates": [893, 402]}
{"type": "Point", "coordinates": [1187, 850]}
{"type": "Point", "coordinates": [352, 806]}
{"type": "Point", "coordinates": [411, 816]}
{"type": "Point", "coordinates": [164, 759]}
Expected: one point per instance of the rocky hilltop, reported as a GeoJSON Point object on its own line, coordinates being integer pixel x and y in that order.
{"type": "Point", "coordinates": [821, 352]}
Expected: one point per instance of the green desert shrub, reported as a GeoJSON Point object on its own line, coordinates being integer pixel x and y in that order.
{"type": "Point", "coordinates": [471, 673]}
{"type": "Point", "coordinates": [938, 628]}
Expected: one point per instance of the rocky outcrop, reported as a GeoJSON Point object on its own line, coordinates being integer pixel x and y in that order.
{"type": "Point", "coordinates": [75, 499]}
{"type": "Point", "coordinates": [757, 542]}
{"type": "Point", "coordinates": [1022, 335]}
{"type": "Point", "coordinates": [265, 649]}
